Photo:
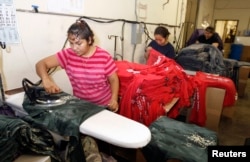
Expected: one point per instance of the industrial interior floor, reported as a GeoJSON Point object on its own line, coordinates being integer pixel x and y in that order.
{"type": "Point", "coordinates": [235, 130]}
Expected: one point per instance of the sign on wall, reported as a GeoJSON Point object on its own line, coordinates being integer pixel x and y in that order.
{"type": "Point", "coordinates": [8, 23]}
{"type": "Point", "coordinates": [66, 6]}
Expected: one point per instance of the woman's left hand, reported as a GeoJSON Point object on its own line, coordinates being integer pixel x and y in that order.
{"type": "Point", "coordinates": [113, 106]}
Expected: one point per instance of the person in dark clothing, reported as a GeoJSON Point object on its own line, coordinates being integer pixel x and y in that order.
{"type": "Point", "coordinates": [210, 37]}
{"type": "Point", "coordinates": [161, 43]}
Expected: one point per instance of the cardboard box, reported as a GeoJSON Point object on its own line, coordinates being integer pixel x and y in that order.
{"type": "Point", "coordinates": [33, 158]}
{"type": "Point", "coordinates": [245, 56]}
{"type": "Point", "coordinates": [214, 108]}
{"type": "Point", "coordinates": [242, 80]}
{"type": "Point", "coordinates": [214, 104]}
{"type": "Point", "coordinates": [227, 50]}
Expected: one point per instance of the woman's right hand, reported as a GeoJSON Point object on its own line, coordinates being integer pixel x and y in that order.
{"type": "Point", "coordinates": [50, 86]}
{"type": "Point", "coordinates": [146, 54]}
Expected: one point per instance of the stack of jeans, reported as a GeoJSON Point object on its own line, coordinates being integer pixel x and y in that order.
{"type": "Point", "coordinates": [202, 57]}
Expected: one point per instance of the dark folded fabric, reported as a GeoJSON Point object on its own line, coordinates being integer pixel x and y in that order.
{"type": "Point", "coordinates": [6, 110]}
{"type": "Point", "coordinates": [172, 139]}
{"type": "Point", "coordinates": [63, 119]}
{"type": "Point", "coordinates": [18, 137]}
{"type": "Point", "coordinates": [231, 69]}
{"type": "Point", "coordinates": [192, 57]}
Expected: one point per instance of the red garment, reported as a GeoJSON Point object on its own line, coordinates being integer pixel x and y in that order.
{"type": "Point", "coordinates": [145, 89]}
{"type": "Point", "coordinates": [202, 81]}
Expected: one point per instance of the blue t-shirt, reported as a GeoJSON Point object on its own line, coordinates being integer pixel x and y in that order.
{"type": "Point", "coordinates": [167, 50]}
{"type": "Point", "coordinates": [214, 39]}
{"type": "Point", "coordinates": [202, 39]}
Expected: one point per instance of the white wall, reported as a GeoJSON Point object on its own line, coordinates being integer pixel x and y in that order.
{"type": "Point", "coordinates": [234, 10]}
{"type": "Point", "coordinates": [225, 10]}
{"type": "Point", "coordinates": [43, 34]}
{"type": "Point", "coordinates": [205, 13]}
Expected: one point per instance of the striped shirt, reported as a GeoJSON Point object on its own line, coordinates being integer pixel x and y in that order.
{"type": "Point", "coordinates": [89, 76]}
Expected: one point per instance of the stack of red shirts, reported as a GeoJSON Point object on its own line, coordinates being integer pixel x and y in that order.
{"type": "Point", "coordinates": [145, 89]}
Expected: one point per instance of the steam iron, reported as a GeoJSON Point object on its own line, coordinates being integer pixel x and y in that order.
{"type": "Point", "coordinates": [37, 94]}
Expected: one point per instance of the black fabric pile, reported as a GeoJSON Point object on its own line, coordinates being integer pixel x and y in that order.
{"type": "Point", "coordinates": [19, 137]}
{"type": "Point", "coordinates": [202, 57]}
{"type": "Point", "coordinates": [231, 66]}
{"type": "Point", "coordinates": [172, 139]}
{"type": "Point", "coordinates": [65, 118]}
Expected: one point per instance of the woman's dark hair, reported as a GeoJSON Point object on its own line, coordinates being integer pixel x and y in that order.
{"type": "Point", "coordinates": [210, 29]}
{"type": "Point", "coordinates": [160, 30]}
{"type": "Point", "coordinates": [81, 30]}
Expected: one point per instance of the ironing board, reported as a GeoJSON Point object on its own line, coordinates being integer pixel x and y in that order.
{"type": "Point", "coordinates": [105, 125]}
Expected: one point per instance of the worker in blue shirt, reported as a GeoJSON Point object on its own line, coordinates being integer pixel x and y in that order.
{"type": "Point", "coordinates": [210, 37]}
{"type": "Point", "coordinates": [161, 43]}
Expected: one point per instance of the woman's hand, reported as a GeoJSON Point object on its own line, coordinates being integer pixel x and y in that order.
{"type": "Point", "coordinates": [114, 83]}
{"type": "Point", "coordinates": [113, 106]}
{"type": "Point", "coordinates": [146, 54]}
{"type": "Point", "coordinates": [50, 86]}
